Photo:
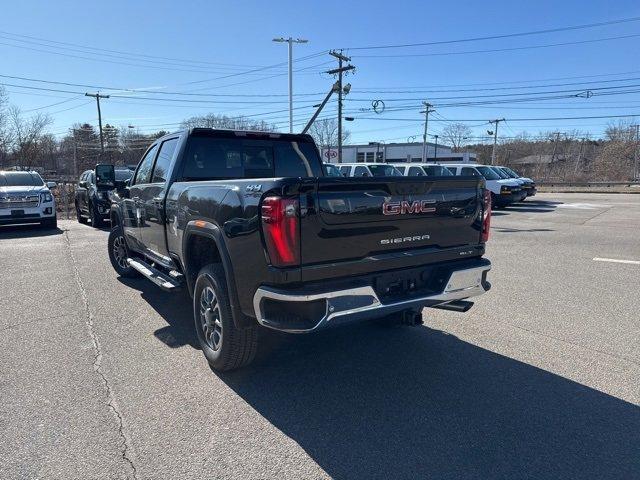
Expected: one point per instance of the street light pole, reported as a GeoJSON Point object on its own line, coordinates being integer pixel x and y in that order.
{"type": "Point", "coordinates": [435, 156]}
{"type": "Point", "coordinates": [290, 41]}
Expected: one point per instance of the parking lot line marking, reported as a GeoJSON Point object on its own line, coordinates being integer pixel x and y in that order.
{"type": "Point", "coordinates": [616, 260]}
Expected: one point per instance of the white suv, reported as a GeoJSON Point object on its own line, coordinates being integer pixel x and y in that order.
{"type": "Point", "coordinates": [368, 170]}
{"type": "Point", "coordinates": [422, 169]}
{"type": "Point", "coordinates": [25, 198]}
{"type": "Point", "coordinates": [503, 192]}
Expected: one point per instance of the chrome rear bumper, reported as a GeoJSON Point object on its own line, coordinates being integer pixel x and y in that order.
{"type": "Point", "coordinates": [363, 301]}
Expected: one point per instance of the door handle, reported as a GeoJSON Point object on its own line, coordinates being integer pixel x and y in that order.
{"type": "Point", "coordinates": [157, 199]}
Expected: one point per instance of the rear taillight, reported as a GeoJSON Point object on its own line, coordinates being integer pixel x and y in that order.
{"type": "Point", "coordinates": [280, 225]}
{"type": "Point", "coordinates": [486, 215]}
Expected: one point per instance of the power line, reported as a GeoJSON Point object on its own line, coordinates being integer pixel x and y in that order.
{"type": "Point", "coordinates": [125, 53]}
{"type": "Point", "coordinates": [506, 35]}
{"type": "Point", "coordinates": [157, 92]}
{"type": "Point", "coordinates": [494, 50]}
{"type": "Point", "coordinates": [509, 119]}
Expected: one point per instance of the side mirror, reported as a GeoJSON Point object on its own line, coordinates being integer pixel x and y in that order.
{"type": "Point", "coordinates": [105, 176]}
{"type": "Point", "coordinates": [51, 185]}
{"type": "Point", "coordinates": [82, 184]}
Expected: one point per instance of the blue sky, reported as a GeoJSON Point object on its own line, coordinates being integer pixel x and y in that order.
{"type": "Point", "coordinates": [208, 47]}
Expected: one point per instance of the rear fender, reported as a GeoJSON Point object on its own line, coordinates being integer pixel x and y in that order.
{"type": "Point", "coordinates": [212, 232]}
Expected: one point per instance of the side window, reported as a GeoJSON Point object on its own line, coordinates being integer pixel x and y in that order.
{"type": "Point", "coordinates": [92, 178]}
{"type": "Point", "coordinates": [361, 172]}
{"type": "Point", "coordinates": [161, 169]}
{"type": "Point", "coordinates": [345, 171]}
{"type": "Point", "coordinates": [143, 175]}
{"type": "Point", "coordinates": [452, 170]}
{"type": "Point", "coordinates": [469, 171]}
{"type": "Point", "coordinates": [415, 172]}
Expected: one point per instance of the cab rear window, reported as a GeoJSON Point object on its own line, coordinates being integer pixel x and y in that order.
{"type": "Point", "coordinates": [213, 158]}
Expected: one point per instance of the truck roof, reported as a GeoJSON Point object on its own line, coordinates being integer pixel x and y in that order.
{"type": "Point", "coordinates": [226, 133]}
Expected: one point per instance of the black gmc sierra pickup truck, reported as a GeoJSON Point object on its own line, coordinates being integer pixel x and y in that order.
{"type": "Point", "coordinates": [259, 234]}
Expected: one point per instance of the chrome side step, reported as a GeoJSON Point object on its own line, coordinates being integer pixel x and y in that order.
{"type": "Point", "coordinates": [165, 282]}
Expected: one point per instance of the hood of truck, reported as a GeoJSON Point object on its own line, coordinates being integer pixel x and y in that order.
{"type": "Point", "coordinates": [23, 190]}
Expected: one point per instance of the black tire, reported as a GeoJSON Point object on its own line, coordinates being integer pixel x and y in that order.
{"type": "Point", "coordinates": [96, 219]}
{"type": "Point", "coordinates": [225, 346]}
{"type": "Point", "coordinates": [117, 249]}
{"type": "Point", "coordinates": [51, 223]}
{"type": "Point", "coordinates": [79, 216]}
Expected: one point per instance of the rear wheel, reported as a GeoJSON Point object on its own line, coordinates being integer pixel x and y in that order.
{"type": "Point", "coordinates": [225, 346]}
{"type": "Point", "coordinates": [119, 253]}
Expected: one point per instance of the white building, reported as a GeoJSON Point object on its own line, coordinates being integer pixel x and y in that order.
{"type": "Point", "coordinates": [395, 152]}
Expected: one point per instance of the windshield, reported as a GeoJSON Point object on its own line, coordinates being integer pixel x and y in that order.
{"type": "Point", "coordinates": [384, 171]}
{"type": "Point", "coordinates": [488, 174]}
{"type": "Point", "coordinates": [332, 170]}
{"type": "Point", "coordinates": [20, 179]}
{"type": "Point", "coordinates": [499, 171]}
{"type": "Point", "coordinates": [513, 173]}
{"type": "Point", "coordinates": [437, 171]}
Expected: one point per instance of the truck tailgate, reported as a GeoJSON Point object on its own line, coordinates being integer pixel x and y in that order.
{"type": "Point", "coordinates": [354, 218]}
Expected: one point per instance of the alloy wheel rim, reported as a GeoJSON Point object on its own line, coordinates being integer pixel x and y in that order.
{"type": "Point", "coordinates": [120, 251]}
{"type": "Point", "coordinates": [210, 318]}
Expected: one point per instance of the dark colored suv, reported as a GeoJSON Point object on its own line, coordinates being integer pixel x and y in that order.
{"type": "Point", "coordinates": [93, 203]}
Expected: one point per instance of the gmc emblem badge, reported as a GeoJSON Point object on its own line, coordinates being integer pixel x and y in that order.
{"type": "Point", "coordinates": [404, 207]}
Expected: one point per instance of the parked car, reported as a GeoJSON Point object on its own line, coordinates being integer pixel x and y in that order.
{"type": "Point", "coordinates": [503, 192]}
{"type": "Point", "coordinates": [506, 176]}
{"type": "Point", "coordinates": [92, 202]}
{"type": "Point", "coordinates": [26, 198]}
{"type": "Point", "coordinates": [368, 170]}
{"type": "Point", "coordinates": [529, 185]}
{"type": "Point", "coordinates": [260, 235]}
{"type": "Point", "coordinates": [422, 169]}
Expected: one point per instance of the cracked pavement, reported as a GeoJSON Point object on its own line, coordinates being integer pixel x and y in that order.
{"type": "Point", "coordinates": [100, 377]}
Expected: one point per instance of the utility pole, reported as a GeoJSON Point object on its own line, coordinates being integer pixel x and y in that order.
{"type": "Point", "coordinates": [97, 96]}
{"type": "Point", "coordinates": [427, 111]}
{"type": "Point", "coordinates": [495, 139]}
{"type": "Point", "coordinates": [636, 173]}
{"type": "Point", "coordinates": [290, 41]}
{"type": "Point", "coordinates": [340, 70]}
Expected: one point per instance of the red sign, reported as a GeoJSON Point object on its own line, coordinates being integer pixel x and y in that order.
{"type": "Point", "coordinates": [331, 154]}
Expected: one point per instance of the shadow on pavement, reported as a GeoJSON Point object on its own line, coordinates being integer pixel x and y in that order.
{"type": "Point", "coordinates": [27, 231]}
{"type": "Point", "coordinates": [174, 308]}
{"type": "Point", "coordinates": [368, 402]}
{"type": "Point", "coordinates": [521, 230]}
{"type": "Point", "coordinates": [529, 206]}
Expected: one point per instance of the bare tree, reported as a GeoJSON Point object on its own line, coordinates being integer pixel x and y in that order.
{"type": "Point", "coordinates": [621, 131]}
{"type": "Point", "coordinates": [325, 133]}
{"type": "Point", "coordinates": [5, 139]}
{"type": "Point", "coordinates": [27, 133]}
{"type": "Point", "coordinates": [212, 120]}
{"type": "Point", "coordinates": [455, 134]}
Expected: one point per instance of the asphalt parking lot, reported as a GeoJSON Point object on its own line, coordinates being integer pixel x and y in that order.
{"type": "Point", "coordinates": [100, 377]}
